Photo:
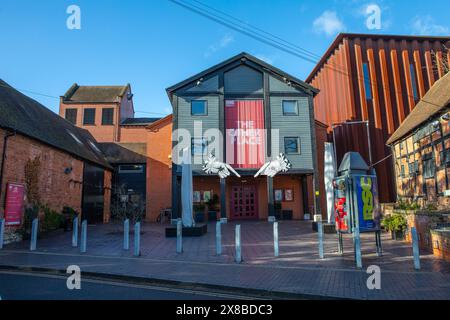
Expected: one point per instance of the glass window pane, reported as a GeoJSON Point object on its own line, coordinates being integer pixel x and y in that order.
{"type": "Point", "coordinates": [89, 116]}
{"type": "Point", "coordinates": [198, 107]}
{"type": "Point", "coordinates": [71, 115]}
{"type": "Point", "coordinates": [292, 145]}
{"type": "Point", "coordinates": [107, 116]}
{"type": "Point", "coordinates": [367, 86]}
{"type": "Point", "coordinates": [290, 107]}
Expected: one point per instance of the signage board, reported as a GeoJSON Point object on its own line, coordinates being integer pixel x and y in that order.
{"type": "Point", "coordinates": [14, 203]}
{"type": "Point", "coordinates": [342, 214]}
{"type": "Point", "coordinates": [366, 202]}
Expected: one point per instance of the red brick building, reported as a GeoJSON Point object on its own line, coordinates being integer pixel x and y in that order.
{"type": "Point", "coordinates": [66, 155]}
{"type": "Point", "coordinates": [375, 78]}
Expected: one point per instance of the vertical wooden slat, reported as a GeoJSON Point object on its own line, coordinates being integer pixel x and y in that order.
{"type": "Point", "coordinates": [349, 82]}
{"type": "Point", "coordinates": [386, 89]}
{"type": "Point", "coordinates": [418, 69]}
{"type": "Point", "coordinates": [397, 82]}
{"type": "Point", "coordinates": [374, 85]}
{"type": "Point", "coordinates": [360, 73]}
{"type": "Point", "coordinates": [407, 74]}
{"type": "Point", "coordinates": [429, 63]}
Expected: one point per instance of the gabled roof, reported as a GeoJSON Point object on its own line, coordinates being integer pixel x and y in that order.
{"type": "Point", "coordinates": [238, 57]}
{"type": "Point", "coordinates": [340, 37]}
{"type": "Point", "coordinates": [118, 153]}
{"type": "Point", "coordinates": [28, 117]}
{"type": "Point", "coordinates": [138, 121]}
{"type": "Point", "coordinates": [95, 94]}
{"type": "Point", "coordinates": [435, 100]}
{"type": "Point", "coordinates": [351, 162]}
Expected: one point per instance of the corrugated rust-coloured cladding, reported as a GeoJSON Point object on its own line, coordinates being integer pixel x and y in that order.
{"type": "Point", "coordinates": [401, 70]}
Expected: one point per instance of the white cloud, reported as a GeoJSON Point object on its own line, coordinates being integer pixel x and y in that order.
{"type": "Point", "coordinates": [328, 23]}
{"type": "Point", "coordinates": [426, 25]}
{"type": "Point", "coordinates": [222, 43]}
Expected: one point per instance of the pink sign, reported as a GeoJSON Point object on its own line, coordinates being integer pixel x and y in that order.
{"type": "Point", "coordinates": [245, 133]}
{"type": "Point", "coordinates": [14, 204]}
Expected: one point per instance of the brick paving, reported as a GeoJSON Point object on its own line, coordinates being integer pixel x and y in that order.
{"type": "Point", "coordinates": [298, 269]}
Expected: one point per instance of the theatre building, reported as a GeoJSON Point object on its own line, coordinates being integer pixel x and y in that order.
{"type": "Point", "coordinates": [260, 111]}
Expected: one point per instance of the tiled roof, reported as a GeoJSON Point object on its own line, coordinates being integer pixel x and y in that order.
{"type": "Point", "coordinates": [28, 117]}
{"type": "Point", "coordinates": [94, 94]}
{"type": "Point", "coordinates": [436, 99]}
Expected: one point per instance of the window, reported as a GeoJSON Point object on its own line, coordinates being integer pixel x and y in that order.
{"type": "Point", "coordinates": [131, 168]}
{"type": "Point", "coordinates": [199, 108]}
{"type": "Point", "coordinates": [445, 157]}
{"type": "Point", "coordinates": [290, 108]}
{"type": "Point", "coordinates": [402, 171]}
{"type": "Point", "coordinates": [89, 116]}
{"type": "Point", "coordinates": [71, 115]}
{"type": "Point", "coordinates": [367, 86]}
{"type": "Point", "coordinates": [107, 116]}
{"type": "Point", "coordinates": [292, 145]}
{"type": "Point", "coordinates": [428, 166]}
{"type": "Point", "coordinates": [413, 81]}
{"type": "Point", "coordinates": [198, 146]}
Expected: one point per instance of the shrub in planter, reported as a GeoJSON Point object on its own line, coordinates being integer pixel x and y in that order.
{"type": "Point", "coordinates": [52, 220]}
{"type": "Point", "coordinates": [31, 212]}
{"type": "Point", "coordinates": [396, 224]}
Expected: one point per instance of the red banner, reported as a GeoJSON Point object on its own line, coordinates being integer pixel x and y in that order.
{"type": "Point", "coordinates": [14, 204]}
{"type": "Point", "coordinates": [245, 133]}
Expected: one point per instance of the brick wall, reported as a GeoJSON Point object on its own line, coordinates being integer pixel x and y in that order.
{"type": "Point", "coordinates": [56, 189]}
{"type": "Point", "coordinates": [441, 244]}
{"type": "Point", "coordinates": [130, 134]}
{"type": "Point", "coordinates": [159, 167]}
{"type": "Point", "coordinates": [107, 196]}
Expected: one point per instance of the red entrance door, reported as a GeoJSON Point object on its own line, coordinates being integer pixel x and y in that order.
{"type": "Point", "coordinates": [244, 204]}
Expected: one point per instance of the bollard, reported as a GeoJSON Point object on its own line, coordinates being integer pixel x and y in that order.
{"type": "Point", "coordinates": [340, 244]}
{"type": "Point", "coordinates": [416, 252]}
{"type": "Point", "coordinates": [357, 243]}
{"type": "Point", "coordinates": [275, 239]}
{"type": "Point", "coordinates": [126, 234]}
{"type": "Point", "coordinates": [218, 238]}
{"type": "Point", "coordinates": [34, 232]}
{"type": "Point", "coordinates": [179, 237]}
{"type": "Point", "coordinates": [2, 232]}
{"type": "Point", "coordinates": [137, 239]}
{"type": "Point", "coordinates": [238, 244]}
{"type": "Point", "coordinates": [75, 232]}
{"type": "Point", "coordinates": [320, 233]}
{"type": "Point", "coordinates": [83, 236]}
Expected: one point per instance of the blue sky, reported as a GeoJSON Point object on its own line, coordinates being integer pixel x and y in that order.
{"type": "Point", "coordinates": [154, 44]}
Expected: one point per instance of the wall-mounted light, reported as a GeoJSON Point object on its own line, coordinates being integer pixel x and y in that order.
{"type": "Point", "coordinates": [446, 117]}
{"type": "Point", "coordinates": [199, 81]}
{"type": "Point", "coordinates": [68, 170]}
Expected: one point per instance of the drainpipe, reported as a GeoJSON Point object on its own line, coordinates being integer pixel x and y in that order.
{"type": "Point", "coordinates": [5, 142]}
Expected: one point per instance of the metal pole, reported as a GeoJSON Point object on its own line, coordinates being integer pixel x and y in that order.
{"type": "Point", "coordinates": [75, 232]}
{"type": "Point", "coordinates": [83, 236]}
{"type": "Point", "coordinates": [179, 236]}
{"type": "Point", "coordinates": [238, 244]}
{"type": "Point", "coordinates": [126, 234]}
{"type": "Point", "coordinates": [218, 238]}
{"type": "Point", "coordinates": [2, 232]}
{"type": "Point", "coordinates": [357, 242]}
{"type": "Point", "coordinates": [320, 232]}
{"type": "Point", "coordinates": [368, 143]}
{"type": "Point", "coordinates": [34, 232]}
{"type": "Point", "coordinates": [275, 239]}
{"type": "Point", "coordinates": [137, 239]}
{"type": "Point", "coordinates": [416, 252]}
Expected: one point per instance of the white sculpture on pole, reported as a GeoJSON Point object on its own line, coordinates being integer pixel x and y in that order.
{"type": "Point", "coordinates": [272, 168]}
{"type": "Point", "coordinates": [329, 174]}
{"type": "Point", "coordinates": [213, 166]}
{"type": "Point", "coordinates": [187, 190]}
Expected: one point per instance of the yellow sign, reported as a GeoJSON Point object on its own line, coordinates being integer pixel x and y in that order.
{"type": "Point", "coordinates": [367, 198]}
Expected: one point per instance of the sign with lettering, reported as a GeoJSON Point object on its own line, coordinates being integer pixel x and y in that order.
{"type": "Point", "coordinates": [366, 202]}
{"type": "Point", "coordinates": [245, 133]}
{"type": "Point", "coordinates": [14, 203]}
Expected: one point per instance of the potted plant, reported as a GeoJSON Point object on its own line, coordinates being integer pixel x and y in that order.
{"type": "Point", "coordinates": [213, 204]}
{"type": "Point", "coordinates": [396, 224]}
{"type": "Point", "coordinates": [199, 212]}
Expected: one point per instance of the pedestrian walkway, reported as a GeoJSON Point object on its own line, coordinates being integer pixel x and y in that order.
{"type": "Point", "coordinates": [298, 269]}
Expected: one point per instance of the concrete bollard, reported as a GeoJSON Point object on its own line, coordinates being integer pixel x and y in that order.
{"type": "Point", "coordinates": [126, 234]}
{"type": "Point", "coordinates": [275, 239]}
{"type": "Point", "coordinates": [75, 232]}
{"type": "Point", "coordinates": [238, 244]}
{"type": "Point", "coordinates": [2, 232]}
{"type": "Point", "coordinates": [83, 244]}
{"type": "Point", "coordinates": [320, 233]}
{"type": "Point", "coordinates": [137, 239]}
{"type": "Point", "coordinates": [357, 243]}
{"type": "Point", "coordinates": [34, 232]}
{"type": "Point", "coordinates": [218, 238]}
{"type": "Point", "coordinates": [416, 252]}
{"type": "Point", "coordinates": [179, 236]}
